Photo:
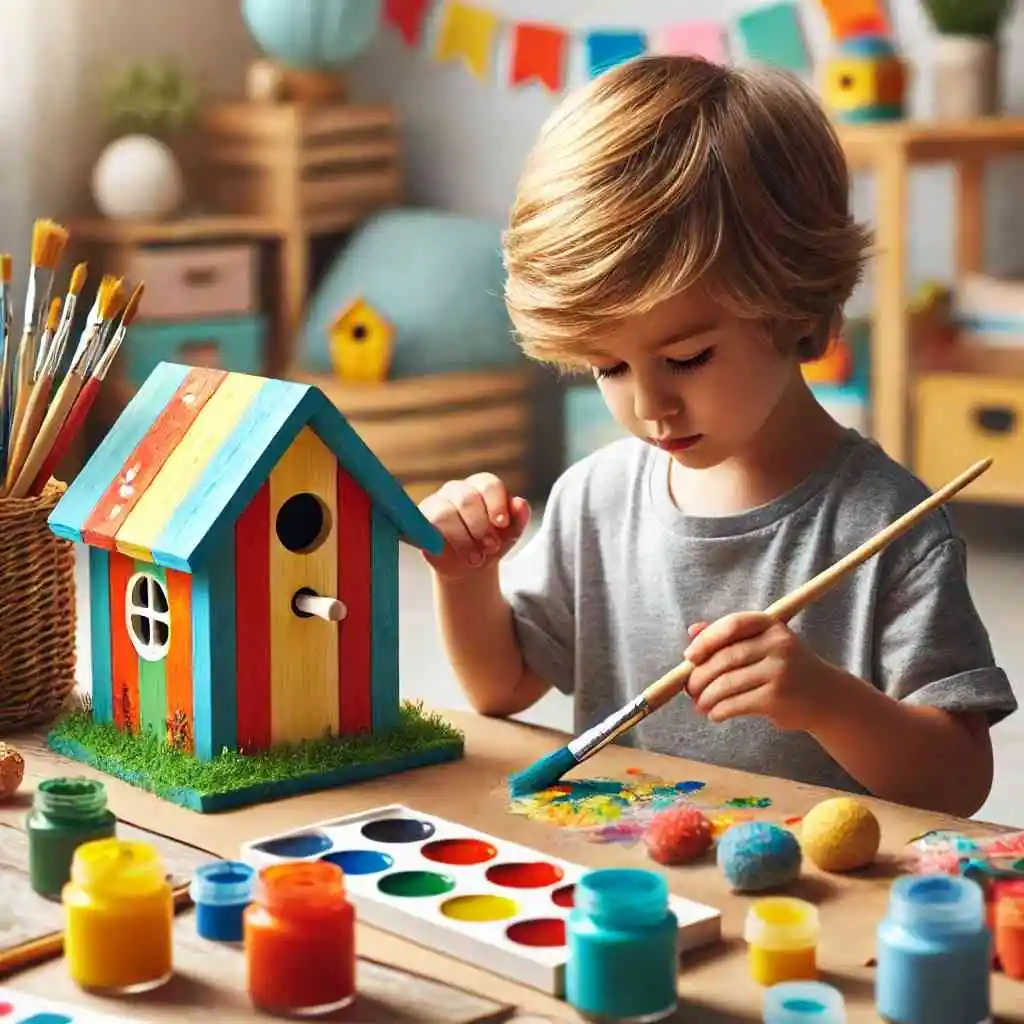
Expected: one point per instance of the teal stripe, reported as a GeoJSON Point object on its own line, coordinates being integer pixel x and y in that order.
{"type": "Point", "coordinates": [72, 512]}
{"type": "Point", "coordinates": [99, 636]}
{"type": "Point", "coordinates": [384, 675]}
{"type": "Point", "coordinates": [214, 702]}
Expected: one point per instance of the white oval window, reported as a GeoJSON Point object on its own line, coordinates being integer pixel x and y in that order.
{"type": "Point", "coordinates": [148, 616]}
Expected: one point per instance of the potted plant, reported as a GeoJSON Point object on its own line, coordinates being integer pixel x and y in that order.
{"type": "Point", "coordinates": [966, 63]}
{"type": "Point", "coordinates": [138, 176]}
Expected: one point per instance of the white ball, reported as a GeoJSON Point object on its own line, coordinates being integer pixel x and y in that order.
{"type": "Point", "coordinates": [137, 177]}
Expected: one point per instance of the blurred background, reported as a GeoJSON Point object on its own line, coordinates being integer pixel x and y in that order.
{"type": "Point", "coordinates": [316, 189]}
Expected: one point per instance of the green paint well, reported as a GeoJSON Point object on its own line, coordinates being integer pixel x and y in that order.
{"type": "Point", "coordinates": [415, 884]}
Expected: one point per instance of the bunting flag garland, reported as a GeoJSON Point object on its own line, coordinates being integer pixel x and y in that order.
{"type": "Point", "coordinates": [705, 39]}
{"type": "Point", "coordinates": [467, 32]}
{"type": "Point", "coordinates": [606, 49]}
{"type": "Point", "coordinates": [773, 35]}
{"type": "Point", "coordinates": [538, 52]}
{"type": "Point", "coordinates": [408, 17]}
{"type": "Point", "coordinates": [848, 16]}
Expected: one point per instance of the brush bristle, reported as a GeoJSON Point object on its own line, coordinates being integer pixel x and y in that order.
{"type": "Point", "coordinates": [78, 276]}
{"type": "Point", "coordinates": [6, 267]}
{"type": "Point", "coordinates": [111, 297]}
{"type": "Point", "coordinates": [132, 308]}
{"type": "Point", "coordinates": [48, 241]}
{"type": "Point", "coordinates": [54, 315]}
{"type": "Point", "coordinates": [541, 774]}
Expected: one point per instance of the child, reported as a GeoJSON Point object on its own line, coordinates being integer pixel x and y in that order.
{"type": "Point", "coordinates": [682, 232]}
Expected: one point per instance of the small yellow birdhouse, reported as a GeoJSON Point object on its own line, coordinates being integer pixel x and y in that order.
{"type": "Point", "coordinates": [361, 344]}
{"type": "Point", "coordinates": [865, 81]}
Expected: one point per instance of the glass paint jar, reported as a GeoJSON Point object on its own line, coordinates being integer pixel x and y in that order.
{"type": "Point", "coordinates": [934, 952]}
{"type": "Point", "coordinates": [119, 910]}
{"type": "Point", "coordinates": [220, 892]}
{"type": "Point", "coordinates": [781, 933]}
{"type": "Point", "coordinates": [623, 944]}
{"type": "Point", "coordinates": [300, 955]}
{"type": "Point", "coordinates": [66, 812]}
{"type": "Point", "coordinates": [1008, 928]}
{"type": "Point", "coordinates": [803, 1002]}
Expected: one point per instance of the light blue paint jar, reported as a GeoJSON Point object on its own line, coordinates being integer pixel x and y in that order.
{"type": "Point", "coordinates": [803, 1002]}
{"type": "Point", "coordinates": [934, 953]}
{"type": "Point", "coordinates": [623, 945]}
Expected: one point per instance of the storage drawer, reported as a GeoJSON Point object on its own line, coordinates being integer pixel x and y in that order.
{"type": "Point", "coordinates": [189, 282]}
{"type": "Point", "coordinates": [964, 417]}
{"type": "Point", "coordinates": [232, 344]}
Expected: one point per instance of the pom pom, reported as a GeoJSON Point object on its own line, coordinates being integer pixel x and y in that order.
{"type": "Point", "coordinates": [12, 771]}
{"type": "Point", "coordinates": [677, 835]}
{"type": "Point", "coordinates": [840, 834]}
{"type": "Point", "coordinates": [757, 855]}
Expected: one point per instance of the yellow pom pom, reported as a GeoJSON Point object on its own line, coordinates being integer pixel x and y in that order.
{"type": "Point", "coordinates": [840, 834]}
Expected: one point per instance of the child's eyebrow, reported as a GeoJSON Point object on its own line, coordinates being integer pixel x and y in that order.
{"type": "Point", "coordinates": [687, 335]}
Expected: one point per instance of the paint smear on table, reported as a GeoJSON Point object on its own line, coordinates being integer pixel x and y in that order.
{"type": "Point", "coordinates": [609, 810]}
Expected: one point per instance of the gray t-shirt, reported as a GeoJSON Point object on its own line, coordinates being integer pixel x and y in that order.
{"type": "Point", "coordinates": [604, 591]}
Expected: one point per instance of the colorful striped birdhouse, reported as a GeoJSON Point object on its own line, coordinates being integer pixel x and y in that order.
{"type": "Point", "coordinates": [243, 565]}
{"type": "Point", "coordinates": [865, 80]}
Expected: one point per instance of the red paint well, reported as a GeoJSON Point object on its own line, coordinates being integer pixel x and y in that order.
{"type": "Point", "coordinates": [542, 931]}
{"type": "Point", "coordinates": [564, 897]}
{"type": "Point", "coordinates": [459, 851]}
{"type": "Point", "coordinates": [524, 874]}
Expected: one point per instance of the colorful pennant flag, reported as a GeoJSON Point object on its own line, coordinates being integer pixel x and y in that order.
{"type": "Point", "coordinates": [705, 39]}
{"type": "Point", "coordinates": [468, 33]}
{"type": "Point", "coordinates": [849, 16]}
{"type": "Point", "coordinates": [538, 52]}
{"type": "Point", "coordinates": [772, 35]}
{"type": "Point", "coordinates": [408, 17]}
{"type": "Point", "coordinates": [608, 47]}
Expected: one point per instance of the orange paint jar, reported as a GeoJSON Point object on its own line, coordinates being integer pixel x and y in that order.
{"type": "Point", "coordinates": [299, 936]}
{"type": "Point", "coordinates": [1008, 930]}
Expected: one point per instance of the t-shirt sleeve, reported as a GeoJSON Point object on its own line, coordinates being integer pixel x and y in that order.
{"type": "Point", "coordinates": [539, 581]}
{"type": "Point", "coordinates": [932, 646]}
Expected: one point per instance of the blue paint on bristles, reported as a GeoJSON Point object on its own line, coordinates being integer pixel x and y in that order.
{"type": "Point", "coordinates": [541, 774]}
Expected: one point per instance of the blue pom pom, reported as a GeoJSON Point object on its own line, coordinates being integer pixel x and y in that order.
{"type": "Point", "coordinates": [757, 855]}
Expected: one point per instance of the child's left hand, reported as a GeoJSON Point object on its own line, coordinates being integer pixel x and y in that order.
{"type": "Point", "coordinates": [752, 664]}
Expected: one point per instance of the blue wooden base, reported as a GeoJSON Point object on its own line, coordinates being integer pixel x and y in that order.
{"type": "Point", "coordinates": [230, 799]}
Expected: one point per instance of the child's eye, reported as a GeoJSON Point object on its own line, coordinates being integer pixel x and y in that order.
{"type": "Point", "coordinates": [617, 370]}
{"type": "Point", "coordinates": [695, 362]}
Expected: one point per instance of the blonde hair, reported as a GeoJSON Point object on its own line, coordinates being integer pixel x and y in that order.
{"type": "Point", "coordinates": [669, 171]}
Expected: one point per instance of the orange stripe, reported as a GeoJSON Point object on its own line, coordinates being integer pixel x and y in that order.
{"type": "Point", "coordinates": [124, 660]}
{"type": "Point", "coordinates": [179, 660]}
{"type": "Point", "coordinates": [140, 469]}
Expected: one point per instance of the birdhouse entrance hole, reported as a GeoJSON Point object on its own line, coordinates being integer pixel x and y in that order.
{"type": "Point", "coordinates": [303, 523]}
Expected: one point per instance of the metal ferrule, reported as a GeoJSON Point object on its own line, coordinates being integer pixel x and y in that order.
{"type": "Point", "coordinates": [614, 725]}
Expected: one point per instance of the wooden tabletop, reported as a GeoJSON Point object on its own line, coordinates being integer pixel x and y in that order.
{"type": "Point", "coordinates": [714, 984]}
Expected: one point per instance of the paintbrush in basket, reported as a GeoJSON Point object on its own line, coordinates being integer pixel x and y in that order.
{"type": "Point", "coordinates": [549, 769]}
{"type": "Point", "coordinates": [58, 342]}
{"type": "Point", "coordinates": [110, 301]}
{"type": "Point", "coordinates": [87, 396]}
{"type": "Point", "coordinates": [6, 353]}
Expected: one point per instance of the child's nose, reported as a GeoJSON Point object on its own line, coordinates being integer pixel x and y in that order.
{"type": "Point", "coordinates": [653, 403]}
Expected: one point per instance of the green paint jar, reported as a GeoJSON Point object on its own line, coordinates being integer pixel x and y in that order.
{"type": "Point", "coordinates": [65, 813]}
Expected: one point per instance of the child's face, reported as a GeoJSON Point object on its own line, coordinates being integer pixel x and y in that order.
{"type": "Point", "coordinates": [692, 379]}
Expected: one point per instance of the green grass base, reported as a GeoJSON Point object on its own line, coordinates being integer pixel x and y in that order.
{"type": "Point", "coordinates": [234, 780]}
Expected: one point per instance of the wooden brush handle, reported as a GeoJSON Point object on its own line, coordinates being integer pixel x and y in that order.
{"type": "Point", "coordinates": [35, 409]}
{"type": "Point", "coordinates": [672, 682]}
{"type": "Point", "coordinates": [72, 425]}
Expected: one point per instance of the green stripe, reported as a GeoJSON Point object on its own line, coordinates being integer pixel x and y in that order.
{"type": "Point", "coordinates": [153, 676]}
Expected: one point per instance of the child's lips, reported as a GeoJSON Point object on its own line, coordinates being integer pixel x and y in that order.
{"type": "Point", "coordinates": [676, 444]}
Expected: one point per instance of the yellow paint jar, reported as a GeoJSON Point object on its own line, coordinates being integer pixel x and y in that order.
{"type": "Point", "coordinates": [119, 911]}
{"type": "Point", "coordinates": [782, 940]}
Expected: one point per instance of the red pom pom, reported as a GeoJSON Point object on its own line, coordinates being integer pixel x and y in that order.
{"type": "Point", "coordinates": [677, 835]}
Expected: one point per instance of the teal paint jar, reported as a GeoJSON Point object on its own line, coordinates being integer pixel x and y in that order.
{"type": "Point", "coordinates": [65, 813]}
{"type": "Point", "coordinates": [934, 953]}
{"type": "Point", "coordinates": [623, 947]}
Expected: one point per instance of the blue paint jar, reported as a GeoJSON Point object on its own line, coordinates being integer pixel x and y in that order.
{"type": "Point", "coordinates": [623, 946]}
{"type": "Point", "coordinates": [803, 1002]}
{"type": "Point", "coordinates": [221, 891]}
{"type": "Point", "coordinates": [934, 953]}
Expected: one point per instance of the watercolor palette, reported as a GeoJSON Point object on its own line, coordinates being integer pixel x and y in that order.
{"type": "Point", "coordinates": [22, 1008]}
{"type": "Point", "coordinates": [487, 902]}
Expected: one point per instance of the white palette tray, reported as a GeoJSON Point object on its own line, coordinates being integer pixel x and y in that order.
{"type": "Point", "coordinates": [22, 1008]}
{"type": "Point", "coordinates": [391, 852]}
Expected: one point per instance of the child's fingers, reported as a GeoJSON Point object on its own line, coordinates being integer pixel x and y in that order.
{"type": "Point", "coordinates": [695, 629]}
{"type": "Point", "coordinates": [520, 511]}
{"type": "Point", "coordinates": [448, 510]}
{"type": "Point", "coordinates": [495, 497]}
{"type": "Point", "coordinates": [728, 630]}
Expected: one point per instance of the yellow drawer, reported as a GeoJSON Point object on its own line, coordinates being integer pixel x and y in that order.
{"type": "Point", "coordinates": [963, 417]}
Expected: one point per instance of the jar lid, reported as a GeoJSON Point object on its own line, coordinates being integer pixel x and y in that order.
{"type": "Point", "coordinates": [782, 922]}
{"type": "Point", "coordinates": [622, 894]}
{"type": "Point", "coordinates": [803, 1002]}
{"type": "Point", "coordinates": [938, 903]}
{"type": "Point", "coordinates": [223, 883]}
{"type": "Point", "coordinates": [117, 868]}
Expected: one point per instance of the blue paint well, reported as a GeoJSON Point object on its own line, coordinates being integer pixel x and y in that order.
{"type": "Point", "coordinates": [359, 862]}
{"type": "Point", "coordinates": [803, 1002]}
{"type": "Point", "coordinates": [302, 844]}
{"type": "Point", "coordinates": [47, 1018]}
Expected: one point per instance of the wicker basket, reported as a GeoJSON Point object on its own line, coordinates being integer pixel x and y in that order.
{"type": "Point", "coordinates": [37, 612]}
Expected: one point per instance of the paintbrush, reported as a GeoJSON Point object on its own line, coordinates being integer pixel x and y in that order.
{"type": "Point", "coordinates": [59, 340]}
{"type": "Point", "coordinates": [87, 396]}
{"type": "Point", "coordinates": [110, 301]}
{"type": "Point", "coordinates": [549, 769]}
{"type": "Point", "coordinates": [6, 353]}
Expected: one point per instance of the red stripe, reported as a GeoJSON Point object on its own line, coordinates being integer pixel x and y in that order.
{"type": "Point", "coordinates": [145, 462]}
{"type": "Point", "coordinates": [252, 623]}
{"type": "Point", "coordinates": [354, 536]}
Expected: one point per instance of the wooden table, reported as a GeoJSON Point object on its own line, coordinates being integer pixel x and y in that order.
{"type": "Point", "coordinates": [714, 984]}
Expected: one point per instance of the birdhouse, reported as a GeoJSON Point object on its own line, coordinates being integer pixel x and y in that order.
{"type": "Point", "coordinates": [865, 80]}
{"type": "Point", "coordinates": [243, 566]}
{"type": "Point", "coordinates": [834, 367]}
{"type": "Point", "coordinates": [361, 344]}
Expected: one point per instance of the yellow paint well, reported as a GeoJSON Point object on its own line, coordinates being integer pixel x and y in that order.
{"type": "Point", "coordinates": [479, 908]}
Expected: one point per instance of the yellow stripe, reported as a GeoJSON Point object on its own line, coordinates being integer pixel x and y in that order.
{"type": "Point", "coordinates": [214, 424]}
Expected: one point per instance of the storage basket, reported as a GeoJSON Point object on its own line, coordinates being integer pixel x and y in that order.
{"type": "Point", "coordinates": [37, 612]}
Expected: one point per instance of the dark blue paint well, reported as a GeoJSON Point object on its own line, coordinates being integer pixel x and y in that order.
{"type": "Point", "coordinates": [398, 830]}
{"type": "Point", "coordinates": [359, 862]}
{"type": "Point", "coordinates": [303, 844]}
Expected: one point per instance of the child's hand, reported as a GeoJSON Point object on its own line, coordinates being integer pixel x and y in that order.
{"type": "Point", "coordinates": [479, 520]}
{"type": "Point", "coordinates": [752, 664]}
